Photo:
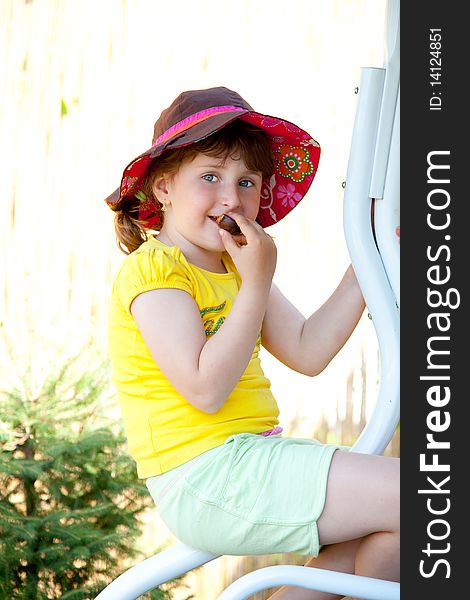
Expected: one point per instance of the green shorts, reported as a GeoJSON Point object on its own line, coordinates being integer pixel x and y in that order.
{"type": "Point", "coordinates": [252, 495]}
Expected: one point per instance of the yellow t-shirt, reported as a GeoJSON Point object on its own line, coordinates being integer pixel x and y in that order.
{"type": "Point", "coordinates": [163, 429]}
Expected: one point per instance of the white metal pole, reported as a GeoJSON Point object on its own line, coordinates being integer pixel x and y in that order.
{"type": "Point", "coordinates": [387, 212]}
{"type": "Point", "coordinates": [389, 99]}
{"type": "Point", "coordinates": [154, 571]}
{"type": "Point", "coordinates": [368, 264]}
{"type": "Point", "coordinates": [313, 579]}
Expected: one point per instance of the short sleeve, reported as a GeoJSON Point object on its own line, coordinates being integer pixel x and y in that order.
{"type": "Point", "coordinates": [150, 269]}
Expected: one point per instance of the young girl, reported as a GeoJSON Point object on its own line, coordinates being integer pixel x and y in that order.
{"type": "Point", "coordinates": [190, 307]}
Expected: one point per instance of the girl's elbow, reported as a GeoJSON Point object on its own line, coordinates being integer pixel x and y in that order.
{"type": "Point", "coordinates": [312, 372]}
{"type": "Point", "coordinates": [209, 404]}
{"type": "Point", "coordinates": [314, 369]}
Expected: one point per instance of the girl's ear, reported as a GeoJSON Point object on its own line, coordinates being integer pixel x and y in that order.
{"type": "Point", "coordinates": [160, 190]}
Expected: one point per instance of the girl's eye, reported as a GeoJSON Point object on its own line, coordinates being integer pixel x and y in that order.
{"type": "Point", "coordinates": [246, 183]}
{"type": "Point", "coordinates": [208, 178]}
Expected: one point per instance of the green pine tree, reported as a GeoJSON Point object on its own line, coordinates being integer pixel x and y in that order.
{"type": "Point", "coordinates": [70, 499]}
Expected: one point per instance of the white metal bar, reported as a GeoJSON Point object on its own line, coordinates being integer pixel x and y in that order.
{"type": "Point", "coordinates": [154, 571]}
{"type": "Point", "coordinates": [387, 212]}
{"type": "Point", "coordinates": [312, 579]}
{"type": "Point", "coordinates": [389, 100]}
{"type": "Point", "coordinates": [368, 264]}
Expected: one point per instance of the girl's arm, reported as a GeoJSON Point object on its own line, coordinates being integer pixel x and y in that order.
{"type": "Point", "coordinates": [308, 345]}
{"type": "Point", "coordinates": [205, 371]}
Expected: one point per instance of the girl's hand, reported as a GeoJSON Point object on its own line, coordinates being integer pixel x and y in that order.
{"type": "Point", "coordinates": [255, 261]}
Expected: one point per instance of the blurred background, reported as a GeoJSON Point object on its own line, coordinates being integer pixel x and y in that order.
{"type": "Point", "coordinates": [82, 84]}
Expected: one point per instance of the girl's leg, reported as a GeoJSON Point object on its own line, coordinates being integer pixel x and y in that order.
{"type": "Point", "coordinates": [338, 557]}
{"type": "Point", "coordinates": [363, 500]}
{"type": "Point", "coordinates": [362, 497]}
{"type": "Point", "coordinates": [362, 504]}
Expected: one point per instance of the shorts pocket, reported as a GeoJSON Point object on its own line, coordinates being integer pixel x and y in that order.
{"type": "Point", "coordinates": [247, 477]}
{"type": "Point", "coordinates": [234, 479]}
{"type": "Point", "coordinates": [208, 480]}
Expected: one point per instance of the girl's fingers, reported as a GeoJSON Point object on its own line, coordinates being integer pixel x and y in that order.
{"type": "Point", "coordinates": [247, 227]}
{"type": "Point", "coordinates": [240, 239]}
{"type": "Point", "coordinates": [230, 244]}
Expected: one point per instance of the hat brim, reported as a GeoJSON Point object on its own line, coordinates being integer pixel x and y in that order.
{"type": "Point", "coordinates": [296, 156]}
{"type": "Point", "coordinates": [136, 169]}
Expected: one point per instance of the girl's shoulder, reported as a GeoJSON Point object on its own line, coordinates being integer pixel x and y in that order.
{"type": "Point", "coordinates": [151, 266]}
{"type": "Point", "coordinates": [153, 256]}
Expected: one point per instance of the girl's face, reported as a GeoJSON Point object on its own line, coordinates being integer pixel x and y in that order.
{"type": "Point", "coordinates": [205, 188]}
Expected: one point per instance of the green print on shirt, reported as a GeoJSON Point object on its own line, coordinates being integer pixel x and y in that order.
{"type": "Point", "coordinates": [209, 326]}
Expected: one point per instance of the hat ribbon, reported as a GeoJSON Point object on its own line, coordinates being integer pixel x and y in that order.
{"type": "Point", "coordinates": [192, 120]}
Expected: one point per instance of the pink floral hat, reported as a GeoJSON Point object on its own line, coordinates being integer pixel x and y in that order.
{"type": "Point", "coordinates": [195, 115]}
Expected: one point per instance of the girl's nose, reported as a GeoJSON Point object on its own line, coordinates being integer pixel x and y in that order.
{"type": "Point", "coordinates": [230, 198]}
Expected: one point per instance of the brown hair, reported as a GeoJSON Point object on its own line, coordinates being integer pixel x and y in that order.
{"type": "Point", "coordinates": [238, 137]}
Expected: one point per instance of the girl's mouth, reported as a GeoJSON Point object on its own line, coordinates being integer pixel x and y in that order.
{"type": "Point", "coordinates": [227, 223]}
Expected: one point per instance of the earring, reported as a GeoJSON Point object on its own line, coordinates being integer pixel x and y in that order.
{"type": "Point", "coordinates": [163, 207]}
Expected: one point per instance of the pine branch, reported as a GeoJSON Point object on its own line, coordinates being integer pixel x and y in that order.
{"type": "Point", "coordinates": [70, 500]}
